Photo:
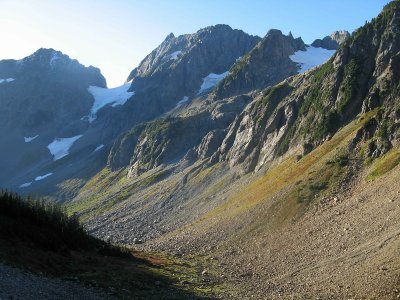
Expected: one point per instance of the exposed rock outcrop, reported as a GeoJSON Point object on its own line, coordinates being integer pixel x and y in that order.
{"type": "Point", "coordinates": [176, 68]}
{"type": "Point", "coordinates": [305, 110]}
{"type": "Point", "coordinates": [265, 65]}
{"type": "Point", "coordinates": [332, 41]}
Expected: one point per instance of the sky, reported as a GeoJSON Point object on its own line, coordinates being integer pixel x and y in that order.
{"type": "Point", "coordinates": [116, 35]}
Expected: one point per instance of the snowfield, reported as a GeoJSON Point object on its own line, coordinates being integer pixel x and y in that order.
{"type": "Point", "coordinates": [38, 178]}
{"type": "Point", "coordinates": [311, 58]}
{"type": "Point", "coordinates": [24, 185]}
{"type": "Point", "coordinates": [103, 96]}
{"type": "Point", "coordinates": [98, 148]}
{"type": "Point", "coordinates": [30, 138]}
{"type": "Point", "coordinates": [211, 80]}
{"type": "Point", "coordinates": [183, 101]}
{"type": "Point", "coordinates": [60, 146]}
{"type": "Point", "coordinates": [6, 80]}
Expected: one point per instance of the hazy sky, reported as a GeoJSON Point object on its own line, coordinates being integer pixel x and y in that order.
{"type": "Point", "coordinates": [115, 35]}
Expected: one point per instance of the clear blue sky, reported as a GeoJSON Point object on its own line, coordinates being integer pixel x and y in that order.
{"type": "Point", "coordinates": [115, 35]}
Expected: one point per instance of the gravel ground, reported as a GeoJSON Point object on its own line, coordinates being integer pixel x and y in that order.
{"type": "Point", "coordinates": [17, 284]}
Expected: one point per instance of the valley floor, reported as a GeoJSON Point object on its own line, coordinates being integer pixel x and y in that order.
{"type": "Point", "coordinates": [346, 246]}
{"type": "Point", "coordinates": [16, 284]}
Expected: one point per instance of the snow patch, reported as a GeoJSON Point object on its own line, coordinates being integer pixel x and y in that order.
{"type": "Point", "coordinates": [30, 138]}
{"type": "Point", "coordinates": [183, 101]}
{"type": "Point", "coordinates": [38, 178]}
{"type": "Point", "coordinates": [103, 96]}
{"type": "Point", "coordinates": [6, 80]}
{"type": "Point", "coordinates": [98, 148]}
{"type": "Point", "coordinates": [60, 146]}
{"type": "Point", "coordinates": [53, 59]}
{"type": "Point", "coordinates": [174, 55]}
{"type": "Point", "coordinates": [211, 80]}
{"type": "Point", "coordinates": [311, 58]}
{"type": "Point", "coordinates": [24, 185]}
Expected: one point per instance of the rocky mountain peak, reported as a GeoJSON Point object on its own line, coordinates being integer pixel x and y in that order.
{"type": "Point", "coordinates": [45, 57]}
{"type": "Point", "coordinates": [47, 62]}
{"type": "Point", "coordinates": [169, 36]}
{"type": "Point", "coordinates": [188, 65]}
{"type": "Point", "coordinates": [265, 65]}
{"type": "Point", "coordinates": [332, 41]}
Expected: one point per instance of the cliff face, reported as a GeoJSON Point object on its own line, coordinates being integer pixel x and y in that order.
{"type": "Point", "coordinates": [265, 65]}
{"type": "Point", "coordinates": [48, 89]}
{"type": "Point", "coordinates": [43, 97]}
{"type": "Point", "coordinates": [332, 41]}
{"type": "Point", "coordinates": [177, 68]}
{"type": "Point", "coordinates": [299, 113]}
{"type": "Point", "coordinates": [306, 110]}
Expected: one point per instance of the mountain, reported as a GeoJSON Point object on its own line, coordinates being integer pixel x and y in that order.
{"type": "Point", "coordinates": [332, 41]}
{"type": "Point", "coordinates": [61, 120]}
{"type": "Point", "coordinates": [43, 99]}
{"type": "Point", "coordinates": [286, 190]}
{"type": "Point", "coordinates": [265, 65]}
{"type": "Point", "coordinates": [205, 123]}
{"type": "Point", "coordinates": [181, 65]}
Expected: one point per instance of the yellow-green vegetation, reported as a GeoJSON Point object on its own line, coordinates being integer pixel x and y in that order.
{"type": "Point", "coordinates": [203, 174]}
{"type": "Point", "coordinates": [107, 189]}
{"type": "Point", "coordinates": [191, 273]}
{"type": "Point", "coordinates": [384, 164]}
{"type": "Point", "coordinates": [297, 181]}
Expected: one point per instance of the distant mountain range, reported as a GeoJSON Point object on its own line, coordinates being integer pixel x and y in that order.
{"type": "Point", "coordinates": [59, 119]}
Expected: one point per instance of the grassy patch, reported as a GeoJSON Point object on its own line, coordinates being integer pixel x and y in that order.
{"type": "Point", "coordinates": [384, 164]}
{"type": "Point", "coordinates": [312, 174]}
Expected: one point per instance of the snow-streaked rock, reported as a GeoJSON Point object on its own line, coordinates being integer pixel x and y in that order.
{"type": "Point", "coordinates": [41, 177]}
{"type": "Point", "coordinates": [98, 147]}
{"type": "Point", "coordinates": [25, 185]}
{"type": "Point", "coordinates": [211, 80]}
{"type": "Point", "coordinates": [183, 101]}
{"type": "Point", "coordinates": [30, 138]}
{"type": "Point", "coordinates": [103, 96]}
{"type": "Point", "coordinates": [311, 58]}
{"type": "Point", "coordinates": [174, 55]}
{"type": "Point", "coordinates": [6, 80]}
{"type": "Point", "coordinates": [60, 146]}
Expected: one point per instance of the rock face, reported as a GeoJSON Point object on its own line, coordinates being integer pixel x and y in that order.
{"type": "Point", "coordinates": [177, 67]}
{"type": "Point", "coordinates": [301, 112]}
{"type": "Point", "coordinates": [265, 65]}
{"type": "Point", "coordinates": [39, 79]}
{"type": "Point", "coordinates": [308, 109]}
{"type": "Point", "coordinates": [46, 99]}
{"type": "Point", "coordinates": [332, 41]}
{"type": "Point", "coordinates": [168, 140]}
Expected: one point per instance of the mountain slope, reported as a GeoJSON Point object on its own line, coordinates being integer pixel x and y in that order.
{"type": "Point", "coordinates": [60, 120]}
{"type": "Point", "coordinates": [304, 111]}
{"type": "Point", "coordinates": [46, 99]}
{"type": "Point", "coordinates": [265, 65]}
{"type": "Point", "coordinates": [65, 262]}
{"type": "Point", "coordinates": [301, 193]}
